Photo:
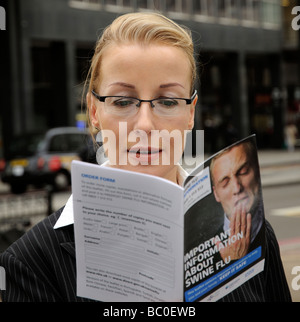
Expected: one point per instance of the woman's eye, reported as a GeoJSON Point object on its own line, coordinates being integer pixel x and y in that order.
{"type": "Point", "coordinates": [167, 102]}
{"type": "Point", "coordinates": [123, 103]}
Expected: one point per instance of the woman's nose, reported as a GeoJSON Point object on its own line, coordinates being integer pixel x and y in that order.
{"type": "Point", "coordinates": [144, 118]}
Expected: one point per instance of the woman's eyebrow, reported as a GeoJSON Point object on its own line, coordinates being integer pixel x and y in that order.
{"type": "Point", "coordinates": [122, 84]}
{"type": "Point", "coordinates": [170, 85]}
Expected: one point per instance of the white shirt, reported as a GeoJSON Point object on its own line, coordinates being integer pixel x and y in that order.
{"type": "Point", "coordinates": [67, 216]}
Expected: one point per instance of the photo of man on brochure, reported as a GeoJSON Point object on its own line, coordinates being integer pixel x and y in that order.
{"type": "Point", "coordinates": [236, 186]}
{"type": "Point", "coordinates": [226, 227]}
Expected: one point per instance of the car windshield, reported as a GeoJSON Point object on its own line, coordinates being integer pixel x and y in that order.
{"type": "Point", "coordinates": [24, 145]}
{"type": "Point", "coordinates": [67, 142]}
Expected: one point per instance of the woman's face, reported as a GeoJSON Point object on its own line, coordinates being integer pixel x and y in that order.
{"type": "Point", "coordinates": [144, 142]}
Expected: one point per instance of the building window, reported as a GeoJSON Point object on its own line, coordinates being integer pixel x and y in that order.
{"type": "Point", "coordinates": [90, 1]}
{"type": "Point", "coordinates": [157, 5]}
{"type": "Point", "coordinates": [271, 12]}
{"type": "Point", "coordinates": [178, 6]}
{"type": "Point", "coordinates": [85, 4]}
{"type": "Point", "coordinates": [244, 9]}
{"type": "Point", "coordinates": [223, 9]}
{"type": "Point", "coordinates": [117, 3]}
{"type": "Point", "coordinates": [251, 13]}
{"type": "Point", "coordinates": [228, 9]}
{"type": "Point", "coordinates": [171, 5]}
{"type": "Point", "coordinates": [204, 8]}
{"type": "Point", "coordinates": [211, 8]}
{"type": "Point", "coordinates": [143, 4]}
{"type": "Point", "coordinates": [111, 2]}
{"type": "Point", "coordinates": [126, 3]}
{"type": "Point", "coordinates": [113, 5]}
{"type": "Point", "coordinates": [253, 10]}
{"type": "Point", "coordinates": [265, 12]}
{"type": "Point", "coordinates": [199, 7]}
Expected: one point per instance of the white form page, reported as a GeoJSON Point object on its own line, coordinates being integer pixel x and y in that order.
{"type": "Point", "coordinates": [128, 235]}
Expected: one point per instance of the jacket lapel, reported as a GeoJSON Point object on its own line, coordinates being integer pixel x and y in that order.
{"type": "Point", "coordinates": [69, 247]}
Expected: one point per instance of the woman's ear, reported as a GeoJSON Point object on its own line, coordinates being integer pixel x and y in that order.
{"type": "Point", "coordinates": [92, 108]}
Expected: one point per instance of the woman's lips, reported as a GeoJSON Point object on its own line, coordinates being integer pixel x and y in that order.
{"type": "Point", "coordinates": [145, 154]}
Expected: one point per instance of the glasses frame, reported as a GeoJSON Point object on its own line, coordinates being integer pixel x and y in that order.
{"type": "Point", "coordinates": [187, 100]}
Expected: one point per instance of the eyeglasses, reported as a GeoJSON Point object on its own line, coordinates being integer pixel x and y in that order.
{"type": "Point", "coordinates": [128, 106]}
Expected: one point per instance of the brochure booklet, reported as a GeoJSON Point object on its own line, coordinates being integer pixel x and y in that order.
{"type": "Point", "coordinates": [144, 238]}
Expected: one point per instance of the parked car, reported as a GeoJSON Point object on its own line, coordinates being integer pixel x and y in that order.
{"type": "Point", "coordinates": [43, 159]}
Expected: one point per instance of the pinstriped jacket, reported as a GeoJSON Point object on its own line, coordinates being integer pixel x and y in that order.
{"type": "Point", "coordinates": [41, 267]}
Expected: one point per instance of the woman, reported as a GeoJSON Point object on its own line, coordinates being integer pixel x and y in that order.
{"type": "Point", "coordinates": [128, 62]}
{"type": "Point", "coordinates": [141, 78]}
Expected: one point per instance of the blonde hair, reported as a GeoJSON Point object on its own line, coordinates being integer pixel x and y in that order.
{"type": "Point", "coordinates": [144, 29]}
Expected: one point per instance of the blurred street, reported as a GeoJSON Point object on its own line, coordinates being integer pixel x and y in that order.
{"type": "Point", "coordinates": [280, 174]}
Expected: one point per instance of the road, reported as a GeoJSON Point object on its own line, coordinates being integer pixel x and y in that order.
{"type": "Point", "coordinates": [282, 209]}
{"type": "Point", "coordinates": [285, 223]}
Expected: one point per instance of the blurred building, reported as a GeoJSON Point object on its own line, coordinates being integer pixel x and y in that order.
{"type": "Point", "coordinates": [291, 63]}
{"type": "Point", "coordinates": [247, 52]}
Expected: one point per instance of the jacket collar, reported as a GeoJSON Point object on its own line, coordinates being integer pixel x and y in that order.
{"type": "Point", "coordinates": [66, 218]}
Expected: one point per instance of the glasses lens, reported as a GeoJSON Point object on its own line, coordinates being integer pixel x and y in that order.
{"type": "Point", "coordinates": [127, 106]}
{"type": "Point", "coordinates": [168, 106]}
{"type": "Point", "coordinates": [121, 105]}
